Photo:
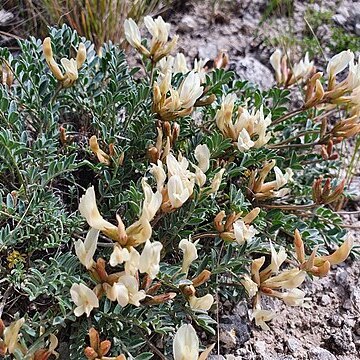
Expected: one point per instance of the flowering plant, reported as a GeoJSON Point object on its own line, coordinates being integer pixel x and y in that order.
{"type": "Point", "coordinates": [192, 187]}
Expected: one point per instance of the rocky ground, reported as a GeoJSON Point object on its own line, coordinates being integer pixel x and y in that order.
{"type": "Point", "coordinates": [329, 328]}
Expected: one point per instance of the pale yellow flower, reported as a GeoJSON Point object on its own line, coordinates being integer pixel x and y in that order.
{"type": "Point", "coordinates": [189, 254]}
{"type": "Point", "coordinates": [86, 250]}
{"type": "Point", "coordinates": [84, 298]}
{"type": "Point", "coordinates": [186, 345]}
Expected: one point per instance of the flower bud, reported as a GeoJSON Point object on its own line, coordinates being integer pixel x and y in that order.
{"type": "Point", "coordinates": [202, 278]}
{"type": "Point", "coordinates": [104, 347]}
{"type": "Point", "coordinates": [299, 247]}
{"type": "Point", "coordinates": [90, 353]}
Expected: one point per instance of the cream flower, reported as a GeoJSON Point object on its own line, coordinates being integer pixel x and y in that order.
{"type": "Point", "coordinates": [275, 61]}
{"type": "Point", "coordinates": [202, 155]}
{"type": "Point", "coordinates": [139, 232]}
{"type": "Point", "coordinates": [201, 303]}
{"type": "Point", "coordinates": [86, 250]}
{"type": "Point", "coordinates": [150, 258]}
{"type": "Point", "coordinates": [224, 114]}
{"type": "Point", "coordinates": [250, 286]}
{"type": "Point", "coordinates": [186, 345]}
{"type": "Point", "coordinates": [70, 68]}
{"type": "Point", "coordinates": [119, 255]}
{"type": "Point", "coordinates": [243, 232]}
{"type": "Point", "coordinates": [177, 191]}
{"type": "Point", "coordinates": [126, 291]}
{"type": "Point", "coordinates": [288, 279]}
{"type": "Point", "coordinates": [200, 177]}
{"type": "Point", "coordinates": [303, 68]}
{"type": "Point", "coordinates": [189, 254]}
{"type": "Point", "coordinates": [277, 258]}
{"type": "Point", "coordinates": [152, 201]}
{"type": "Point", "coordinates": [88, 209]}
{"type": "Point", "coordinates": [157, 170]}
{"type": "Point", "coordinates": [132, 33]}
{"type": "Point", "coordinates": [244, 142]}
{"type": "Point", "coordinates": [262, 316]}
{"type": "Point", "coordinates": [293, 297]}
{"type": "Point", "coordinates": [190, 90]}
{"type": "Point", "coordinates": [353, 79]}
{"type": "Point", "coordinates": [11, 335]}
{"type": "Point", "coordinates": [84, 298]}
{"type": "Point", "coordinates": [216, 182]}
{"type": "Point", "coordinates": [180, 65]}
{"type": "Point", "coordinates": [339, 62]}
{"type": "Point", "coordinates": [158, 28]}
{"type": "Point", "coordinates": [132, 264]}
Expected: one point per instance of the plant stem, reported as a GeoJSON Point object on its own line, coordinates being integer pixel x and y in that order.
{"type": "Point", "coordinates": [204, 235]}
{"type": "Point", "coordinates": [288, 115]}
{"type": "Point", "coordinates": [301, 133]}
{"type": "Point", "coordinates": [289, 207]}
{"type": "Point", "coordinates": [275, 146]}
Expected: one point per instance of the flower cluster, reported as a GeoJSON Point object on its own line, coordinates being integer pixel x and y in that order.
{"type": "Point", "coordinates": [261, 190]}
{"type": "Point", "coordinates": [124, 287]}
{"type": "Point", "coordinates": [10, 343]}
{"type": "Point", "coordinates": [160, 45]}
{"type": "Point", "coordinates": [283, 283]}
{"type": "Point", "coordinates": [288, 75]}
{"type": "Point", "coordinates": [71, 67]}
{"type": "Point", "coordinates": [248, 129]}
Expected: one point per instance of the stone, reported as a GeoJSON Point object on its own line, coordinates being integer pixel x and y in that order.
{"type": "Point", "coordinates": [251, 69]}
{"type": "Point", "coordinates": [347, 304]}
{"type": "Point", "coordinates": [208, 51]}
{"type": "Point", "coordinates": [293, 344]}
{"type": "Point", "coordinates": [187, 24]}
{"type": "Point", "coordinates": [319, 353]}
{"type": "Point", "coordinates": [341, 277]}
{"type": "Point", "coordinates": [357, 29]}
{"type": "Point", "coordinates": [336, 321]}
{"type": "Point", "coordinates": [234, 330]}
{"type": "Point", "coordinates": [260, 347]}
{"type": "Point", "coordinates": [340, 19]}
{"type": "Point", "coordinates": [227, 336]}
{"type": "Point", "coordinates": [325, 300]}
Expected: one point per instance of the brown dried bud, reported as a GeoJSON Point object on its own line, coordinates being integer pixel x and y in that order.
{"type": "Point", "coordinates": [206, 101]}
{"type": "Point", "coordinates": [167, 128]}
{"type": "Point", "coordinates": [2, 327]}
{"type": "Point", "coordinates": [221, 61]}
{"type": "Point", "coordinates": [94, 338]}
{"type": "Point", "coordinates": [42, 354]}
{"type": "Point", "coordinates": [153, 154]}
{"type": "Point", "coordinates": [188, 290]}
{"type": "Point", "coordinates": [322, 270]}
{"type": "Point", "coordinates": [251, 216]}
{"type": "Point", "coordinates": [90, 353]}
{"type": "Point", "coordinates": [123, 238]}
{"type": "Point", "coordinates": [202, 278]}
{"type": "Point", "coordinates": [159, 299]}
{"type": "Point", "coordinates": [104, 347]}
{"type": "Point", "coordinates": [3, 348]}
{"type": "Point", "coordinates": [121, 158]}
{"type": "Point", "coordinates": [299, 247]}
{"type": "Point", "coordinates": [175, 132]}
{"type": "Point", "coordinates": [218, 221]}
{"type": "Point", "coordinates": [100, 269]}
{"type": "Point", "coordinates": [152, 290]}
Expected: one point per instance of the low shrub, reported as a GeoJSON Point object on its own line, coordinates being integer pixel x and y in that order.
{"type": "Point", "coordinates": [193, 187]}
